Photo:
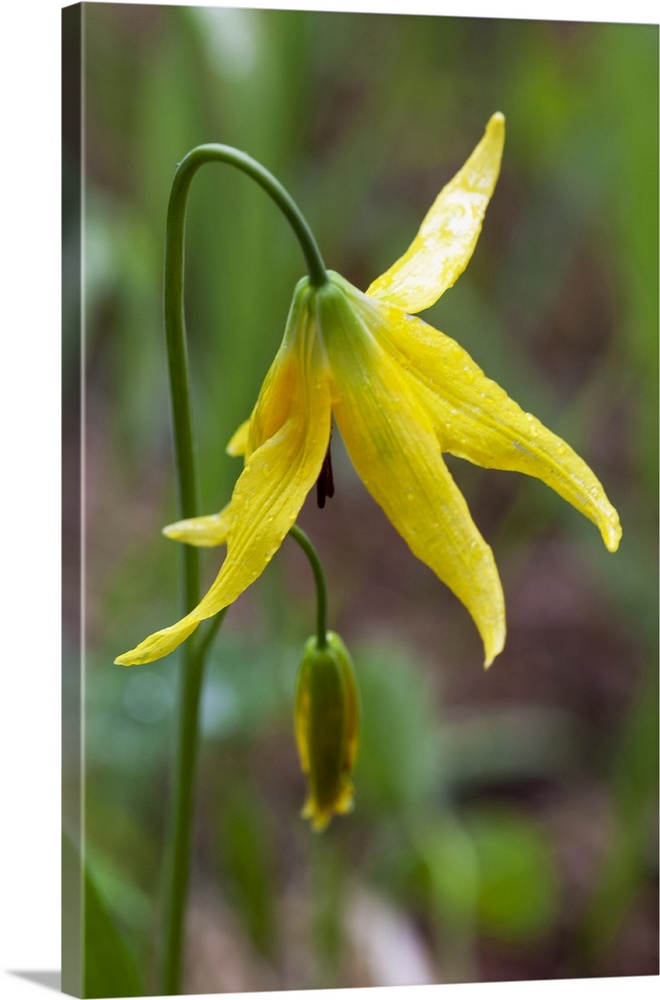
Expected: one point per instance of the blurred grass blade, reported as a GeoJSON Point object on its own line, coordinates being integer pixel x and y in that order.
{"type": "Point", "coordinates": [108, 968]}
{"type": "Point", "coordinates": [631, 858]}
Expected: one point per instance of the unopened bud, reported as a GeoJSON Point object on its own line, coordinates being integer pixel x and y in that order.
{"type": "Point", "coordinates": [326, 723]}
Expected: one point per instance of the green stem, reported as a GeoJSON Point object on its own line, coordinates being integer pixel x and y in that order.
{"type": "Point", "coordinates": [319, 577]}
{"type": "Point", "coordinates": [191, 670]}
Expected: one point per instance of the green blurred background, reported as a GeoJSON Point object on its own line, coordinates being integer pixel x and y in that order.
{"type": "Point", "coordinates": [505, 823]}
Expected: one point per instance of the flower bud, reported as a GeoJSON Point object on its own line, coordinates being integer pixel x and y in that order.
{"type": "Point", "coordinates": [326, 724]}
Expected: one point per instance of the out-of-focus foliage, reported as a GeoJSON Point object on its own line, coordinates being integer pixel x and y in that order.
{"type": "Point", "coordinates": [504, 822]}
{"type": "Point", "coordinates": [107, 964]}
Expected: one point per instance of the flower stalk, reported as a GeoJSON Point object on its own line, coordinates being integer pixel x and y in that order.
{"type": "Point", "coordinates": [319, 578]}
{"type": "Point", "coordinates": [191, 668]}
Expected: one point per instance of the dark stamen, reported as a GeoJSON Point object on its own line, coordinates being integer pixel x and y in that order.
{"type": "Point", "coordinates": [325, 487]}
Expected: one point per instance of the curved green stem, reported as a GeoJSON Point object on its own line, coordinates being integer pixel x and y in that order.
{"type": "Point", "coordinates": [191, 670]}
{"type": "Point", "coordinates": [214, 152]}
{"type": "Point", "coordinates": [319, 577]}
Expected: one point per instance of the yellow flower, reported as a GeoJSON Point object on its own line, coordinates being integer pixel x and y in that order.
{"type": "Point", "coordinates": [401, 393]}
{"type": "Point", "coordinates": [326, 721]}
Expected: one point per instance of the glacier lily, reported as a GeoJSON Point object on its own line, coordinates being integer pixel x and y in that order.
{"type": "Point", "coordinates": [401, 394]}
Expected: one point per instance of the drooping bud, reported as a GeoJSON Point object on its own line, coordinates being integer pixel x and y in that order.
{"type": "Point", "coordinates": [326, 725]}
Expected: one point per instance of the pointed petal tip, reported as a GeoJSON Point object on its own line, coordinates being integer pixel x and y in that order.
{"type": "Point", "coordinates": [206, 531]}
{"type": "Point", "coordinates": [131, 659]}
{"type": "Point", "coordinates": [159, 644]}
{"type": "Point", "coordinates": [612, 540]}
{"type": "Point", "coordinates": [239, 441]}
{"type": "Point", "coordinates": [175, 531]}
{"type": "Point", "coordinates": [490, 656]}
{"type": "Point", "coordinates": [495, 129]}
{"type": "Point", "coordinates": [612, 534]}
{"type": "Point", "coordinates": [494, 644]}
{"type": "Point", "coordinates": [449, 231]}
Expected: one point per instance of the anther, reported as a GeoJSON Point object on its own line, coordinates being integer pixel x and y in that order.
{"type": "Point", "coordinates": [325, 487]}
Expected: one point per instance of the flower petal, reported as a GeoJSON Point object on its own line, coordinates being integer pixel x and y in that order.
{"type": "Point", "coordinates": [209, 530]}
{"type": "Point", "coordinates": [294, 418]}
{"type": "Point", "coordinates": [239, 440]}
{"type": "Point", "coordinates": [476, 420]}
{"type": "Point", "coordinates": [392, 443]}
{"type": "Point", "coordinates": [447, 237]}
{"type": "Point", "coordinates": [212, 529]}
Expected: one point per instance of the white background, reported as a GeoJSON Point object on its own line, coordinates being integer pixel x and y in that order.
{"type": "Point", "coordinates": [30, 487]}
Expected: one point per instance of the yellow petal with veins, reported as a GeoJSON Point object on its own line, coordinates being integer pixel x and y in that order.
{"type": "Point", "coordinates": [476, 420]}
{"type": "Point", "coordinates": [294, 417]}
{"type": "Point", "coordinates": [446, 239]}
{"type": "Point", "coordinates": [211, 529]}
{"type": "Point", "coordinates": [391, 439]}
